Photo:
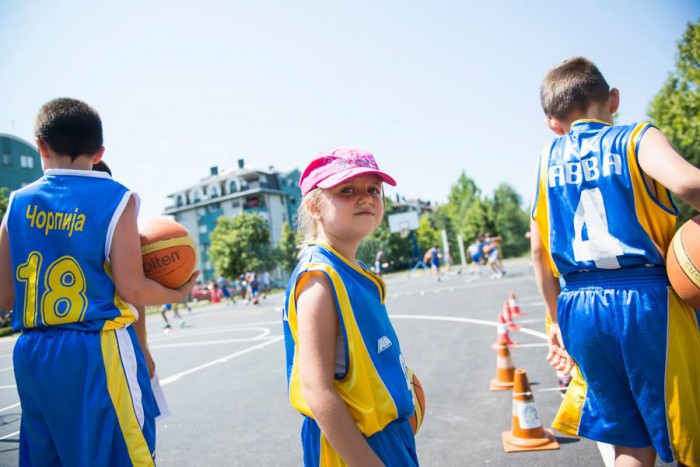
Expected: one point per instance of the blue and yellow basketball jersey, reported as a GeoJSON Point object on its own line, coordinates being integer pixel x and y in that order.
{"type": "Point", "coordinates": [60, 229]}
{"type": "Point", "coordinates": [594, 208]}
{"type": "Point", "coordinates": [374, 386]}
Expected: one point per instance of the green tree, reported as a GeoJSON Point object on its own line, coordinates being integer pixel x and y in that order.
{"type": "Point", "coordinates": [285, 253]}
{"type": "Point", "coordinates": [676, 108]}
{"type": "Point", "coordinates": [511, 221]}
{"type": "Point", "coordinates": [426, 234]}
{"type": "Point", "coordinates": [240, 243]}
{"type": "Point", "coordinates": [4, 198]}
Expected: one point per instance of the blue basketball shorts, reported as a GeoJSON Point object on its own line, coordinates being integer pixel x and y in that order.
{"type": "Point", "coordinates": [395, 445]}
{"type": "Point", "coordinates": [637, 345]}
{"type": "Point", "coordinates": [86, 399]}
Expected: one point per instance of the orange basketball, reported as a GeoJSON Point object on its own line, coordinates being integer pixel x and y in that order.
{"type": "Point", "coordinates": [418, 401]}
{"type": "Point", "coordinates": [683, 262]}
{"type": "Point", "coordinates": [168, 251]}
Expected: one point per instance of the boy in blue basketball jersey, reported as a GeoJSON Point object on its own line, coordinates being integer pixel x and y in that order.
{"type": "Point", "coordinates": [70, 261]}
{"type": "Point", "coordinates": [602, 220]}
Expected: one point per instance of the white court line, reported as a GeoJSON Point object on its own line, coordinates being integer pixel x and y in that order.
{"type": "Point", "coordinates": [536, 344]}
{"type": "Point", "coordinates": [547, 389]}
{"type": "Point", "coordinates": [185, 332]}
{"type": "Point", "coordinates": [8, 387]}
{"type": "Point", "coordinates": [531, 332]}
{"type": "Point", "coordinates": [6, 369]}
{"type": "Point", "coordinates": [204, 343]}
{"type": "Point", "coordinates": [177, 376]}
{"type": "Point", "coordinates": [531, 321]}
{"type": "Point", "coordinates": [10, 407]}
{"type": "Point", "coordinates": [10, 435]}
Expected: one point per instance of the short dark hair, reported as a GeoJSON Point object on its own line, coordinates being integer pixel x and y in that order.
{"type": "Point", "coordinates": [70, 127]}
{"type": "Point", "coordinates": [571, 86]}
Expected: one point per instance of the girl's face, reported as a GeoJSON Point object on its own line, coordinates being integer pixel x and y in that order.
{"type": "Point", "coordinates": [352, 210]}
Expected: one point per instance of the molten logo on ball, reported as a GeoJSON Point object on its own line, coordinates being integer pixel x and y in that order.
{"type": "Point", "coordinates": [169, 253]}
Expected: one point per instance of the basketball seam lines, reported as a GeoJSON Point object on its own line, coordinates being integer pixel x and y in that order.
{"type": "Point", "coordinates": [686, 264]}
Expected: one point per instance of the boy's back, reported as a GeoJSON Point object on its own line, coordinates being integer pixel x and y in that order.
{"type": "Point", "coordinates": [602, 221]}
{"type": "Point", "coordinates": [592, 205]}
{"type": "Point", "coordinates": [60, 229]}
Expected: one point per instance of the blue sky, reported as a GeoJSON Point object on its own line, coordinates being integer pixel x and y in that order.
{"type": "Point", "coordinates": [431, 88]}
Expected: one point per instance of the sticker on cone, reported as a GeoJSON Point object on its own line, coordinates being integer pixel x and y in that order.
{"type": "Point", "coordinates": [526, 432]}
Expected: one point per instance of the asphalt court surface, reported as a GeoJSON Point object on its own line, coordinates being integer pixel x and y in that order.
{"type": "Point", "coordinates": [223, 375]}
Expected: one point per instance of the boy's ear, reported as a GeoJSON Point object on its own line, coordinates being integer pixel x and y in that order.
{"type": "Point", "coordinates": [44, 150]}
{"type": "Point", "coordinates": [98, 155]}
{"type": "Point", "coordinates": [554, 125]}
{"type": "Point", "coordinates": [614, 100]}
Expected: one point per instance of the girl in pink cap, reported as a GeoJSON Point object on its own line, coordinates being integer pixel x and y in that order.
{"type": "Point", "coordinates": [345, 371]}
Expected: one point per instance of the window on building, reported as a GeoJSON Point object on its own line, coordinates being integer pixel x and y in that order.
{"type": "Point", "coordinates": [179, 201]}
{"type": "Point", "coordinates": [232, 187]}
{"type": "Point", "coordinates": [26, 162]}
{"type": "Point", "coordinates": [236, 204]}
{"type": "Point", "coordinates": [6, 159]}
{"type": "Point", "coordinates": [213, 192]}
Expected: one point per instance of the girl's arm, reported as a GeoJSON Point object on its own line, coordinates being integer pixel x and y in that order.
{"type": "Point", "coordinates": [317, 323]}
{"type": "Point", "coordinates": [127, 269]}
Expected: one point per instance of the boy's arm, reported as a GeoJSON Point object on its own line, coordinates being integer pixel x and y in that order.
{"type": "Point", "coordinates": [142, 336]}
{"type": "Point", "coordinates": [660, 161]}
{"type": "Point", "coordinates": [127, 269]}
{"type": "Point", "coordinates": [7, 284]}
{"type": "Point", "coordinates": [317, 333]}
{"type": "Point", "coordinates": [549, 288]}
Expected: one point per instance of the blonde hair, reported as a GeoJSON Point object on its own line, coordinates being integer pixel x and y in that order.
{"type": "Point", "coordinates": [307, 230]}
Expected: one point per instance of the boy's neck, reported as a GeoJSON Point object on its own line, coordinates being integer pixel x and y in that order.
{"type": "Point", "coordinates": [50, 159]}
{"type": "Point", "coordinates": [600, 116]}
{"type": "Point", "coordinates": [65, 162]}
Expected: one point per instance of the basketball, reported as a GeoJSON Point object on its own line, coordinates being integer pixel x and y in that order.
{"type": "Point", "coordinates": [418, 401]}
{"type": "Point", "coordinates": [168, 251]}
{"type": "Point", "coordinates": [683, 262]}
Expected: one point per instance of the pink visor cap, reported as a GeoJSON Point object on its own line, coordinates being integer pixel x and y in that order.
{"type": "Point", "coordinates": [333, 167]}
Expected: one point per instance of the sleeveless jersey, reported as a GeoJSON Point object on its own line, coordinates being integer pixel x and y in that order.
{"type": "Point", "coordinates": [593, 207]}
{"type": "Point", "coordinates": [60, 229]}
{"type": "Point", "coordinates": [374, 386]}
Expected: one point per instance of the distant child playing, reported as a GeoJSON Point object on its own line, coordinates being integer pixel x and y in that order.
{"type": "Point", "coordinates": [345, 370]}
{"type": "Point", "coordinates": [602, 221]}
{"type": "Point", "coordinates": [70, 261]}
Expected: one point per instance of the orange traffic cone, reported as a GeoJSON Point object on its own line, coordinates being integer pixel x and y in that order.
{"type": "Point", "coordinates": [526, 433]}
{"type": "Point", "coordinates": [508, 317]}
{"type": "Point", "coordinates": [502, 337]}
{"type": "Point", "coordinates": [514, 308]}
{"type": "Point", "coordinates": [504, 371]}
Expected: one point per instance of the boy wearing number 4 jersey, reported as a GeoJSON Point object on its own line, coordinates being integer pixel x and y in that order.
{"type": "Point", "coordinates": [70, 261]}
{"type": "Point", "coordinates": [602, 220]}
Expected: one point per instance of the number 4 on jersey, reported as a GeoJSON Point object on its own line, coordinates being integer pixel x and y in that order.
{"type": "Point", "coordinates": [601, 247]}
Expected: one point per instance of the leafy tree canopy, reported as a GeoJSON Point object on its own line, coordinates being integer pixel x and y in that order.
{"type": "Point", "coordinates": [675, 110]}
{"type": "Point", "coordinates": [240, 243]}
